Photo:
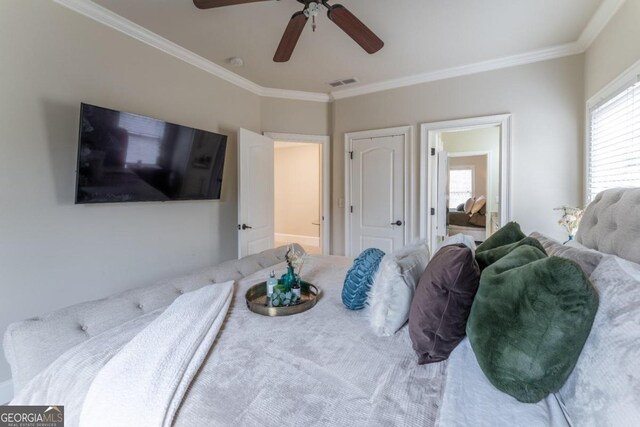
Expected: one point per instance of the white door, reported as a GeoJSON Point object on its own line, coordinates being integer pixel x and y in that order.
{"type": "Point", "coordinates": [255, 193]}
{"type": "Point", "coordinates": [377, 194]}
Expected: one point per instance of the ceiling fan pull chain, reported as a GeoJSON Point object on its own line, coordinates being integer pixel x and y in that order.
{"type": "Point", "coordinates": [313, 23]}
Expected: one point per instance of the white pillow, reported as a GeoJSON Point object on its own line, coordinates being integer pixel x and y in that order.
{"type": "Point", "coordinates": [469, 204]}
{"type": "Point", "coordinates": [458, 239]}
{"type": "Point", "coordinates": [390, 295]}
{"type": "Point", "coordinates": [478, 204]}
{"type": "Point", "coordinates": [603, 388]}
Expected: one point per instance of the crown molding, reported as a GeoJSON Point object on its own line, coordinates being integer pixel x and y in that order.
{"type": "Point", "coordinates": [111, 19]}
{"type": "Point", "coordinates": [598, 22]}
{"type": "Point", "coordinates": [463, 70]}
{"type": "Point", "coordinates": [119, 23]}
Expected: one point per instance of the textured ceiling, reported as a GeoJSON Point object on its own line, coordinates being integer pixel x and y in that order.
{"type": "Point", "coordinates": [420, 35]}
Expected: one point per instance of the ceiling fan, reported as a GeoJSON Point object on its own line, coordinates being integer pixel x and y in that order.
{"type": "Point", "coordinates": [337, 13]}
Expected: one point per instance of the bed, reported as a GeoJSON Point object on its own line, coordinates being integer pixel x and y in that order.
{"type": "Point", "coordinates": [469, 218]}
{"type": "Point", "coordinates": [188, 350]}
{"type": "Point", "coordinates": [459, 222]}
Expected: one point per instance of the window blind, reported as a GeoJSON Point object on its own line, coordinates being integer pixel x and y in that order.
{"type": "Point", "coordinates": [614, 142]}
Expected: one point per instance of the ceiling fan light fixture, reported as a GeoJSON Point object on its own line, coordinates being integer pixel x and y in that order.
{"type": "Point", "coordinates": [312, 10]}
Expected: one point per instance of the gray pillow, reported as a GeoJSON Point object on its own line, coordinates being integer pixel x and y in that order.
{"type": "Point", "coordinates": [587, 259]}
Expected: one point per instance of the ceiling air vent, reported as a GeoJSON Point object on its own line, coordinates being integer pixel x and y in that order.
{"type": "Point", "coordinates": [344, 82]}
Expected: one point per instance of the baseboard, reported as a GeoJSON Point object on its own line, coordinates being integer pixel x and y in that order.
{"type": "Point", "coordinates": [6, 392]}
{"type": "Point", "coordinates": [303, 240]}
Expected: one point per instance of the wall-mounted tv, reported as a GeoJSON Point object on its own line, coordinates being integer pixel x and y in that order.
{"type": "Point", "coordinates": [124, 157]}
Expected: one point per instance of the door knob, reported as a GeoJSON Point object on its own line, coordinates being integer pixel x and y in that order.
{"type": "Point", "coordinates": [245, 227]}
{"type": "Point", "coordinates": [398, 222]}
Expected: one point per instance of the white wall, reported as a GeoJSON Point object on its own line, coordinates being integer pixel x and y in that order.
{"type": "Point", "coordinates": [297, 189]}
{"type": "Point", "coordinates": [547, 103]}
{"type": "Point", "coordinates": [485, 139]}
{"type": "Point", "coordinates": [290, 116]}
{"type": "Point", "coordinates": [53, 253]}
{"type": "Point", "coordinates": [615, 49]}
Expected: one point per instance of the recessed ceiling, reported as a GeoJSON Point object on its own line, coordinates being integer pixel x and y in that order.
{"type": "Point", "coordinates": [420, 36]}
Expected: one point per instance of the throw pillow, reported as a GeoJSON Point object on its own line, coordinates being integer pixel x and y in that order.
{"type": "Point", "coordinates": [478, 219]}
{"type": "Point", "coordinates": [478, 204]}
{"type": "Point", "coordinates": [460, 207]}
{"type": "Point", "coordinates": [488, 257]}
{"type": "Point", "coordinates": [441, 305]}
{"type": "Point", "coordinates": [510, 233]}
{"type": "Point", "coordinates": [469, 204]}
{"type": "Point", "coordinates": [587, 259]}
{"type": "Point", "coordinates": [360, 277]}
{"type": "Point", "coordinates": [458, 239]}
{"type": "Point", "coordinates": [392, 290]}
{"type": "Point", "coordinates": [529, 321]}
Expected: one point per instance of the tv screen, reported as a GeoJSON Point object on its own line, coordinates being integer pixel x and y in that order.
{"type": "Point", "coordinates": [123, 157]}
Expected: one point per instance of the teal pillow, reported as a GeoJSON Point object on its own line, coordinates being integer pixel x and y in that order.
{"type": "Point", "coordinates": [489, 256]}
{"type": "Point", "coordinates": [360, 278]}
{"type": "Point", "coordinates": [529, 321]}
{"type": "Point", "coordinates": [508, 234]}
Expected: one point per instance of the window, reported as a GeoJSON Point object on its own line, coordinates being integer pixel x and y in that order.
{"type": "Point", "coordinates": [614, 142]}
{"type": "Point", "coordinates": [460, 185]}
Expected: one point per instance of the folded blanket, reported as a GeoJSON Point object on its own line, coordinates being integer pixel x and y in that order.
{"type": "Point", "coordinates": [67, 380]}
{"type": "Point", "coordinates": [143, 385]}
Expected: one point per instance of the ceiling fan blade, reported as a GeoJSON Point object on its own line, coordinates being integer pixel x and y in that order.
{"type": "Point", "coordinates": [351, 25]}
{"type": "Point", "coordinates": [290, 37]}
{"type": "Point", "coordinates": [208, 4]}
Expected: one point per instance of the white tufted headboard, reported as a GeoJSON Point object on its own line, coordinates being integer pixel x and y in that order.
{"type": "Point", "coordinates": [611, 223]}
{"type": "Point", "coordinates": [31, 345]}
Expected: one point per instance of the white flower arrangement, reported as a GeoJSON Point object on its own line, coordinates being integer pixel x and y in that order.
{"type": "Point", "coordinates": [295, 259]}
{"type": "Point", "coordinates": [570, 219]}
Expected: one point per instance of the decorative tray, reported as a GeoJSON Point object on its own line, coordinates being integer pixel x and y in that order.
{"type": "Point", "coordinates": [256, 298]}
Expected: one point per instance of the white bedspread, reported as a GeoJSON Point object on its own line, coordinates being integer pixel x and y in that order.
{"type": "Point", "coordinates": [471, 400]}
{"type": "Point", "coordinates": [324, 367]}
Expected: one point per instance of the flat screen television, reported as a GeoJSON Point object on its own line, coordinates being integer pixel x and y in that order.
{"type": "Point", "coordinates": [124, 157]}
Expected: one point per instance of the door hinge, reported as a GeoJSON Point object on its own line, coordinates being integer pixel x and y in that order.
{"type": "Point", "coordinates": [433, 151]}
{"type": "Point", "coordinates": [351, 209]}
{"type": "Point", "coordinates": [351, 154]}
{"type": "Point", "coordinates": [433, 211]}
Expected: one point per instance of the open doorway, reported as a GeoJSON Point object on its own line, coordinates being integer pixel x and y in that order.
{"type": "Point", "coordinates": [465, 178]}
{"type": "Point", "coordinates": [257, 203]}
{"type": "Point", "coordinates": [472, 182]}
{"type": "Point", "coordinates": [298, 195]}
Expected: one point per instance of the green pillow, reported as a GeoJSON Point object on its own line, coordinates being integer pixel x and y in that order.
{"type": "Point", "coordinates": [529, 321]}
{"type": "Point", "coordinates": [508, 234]}
{"type": "Point", "coordinates": [489, 256]}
